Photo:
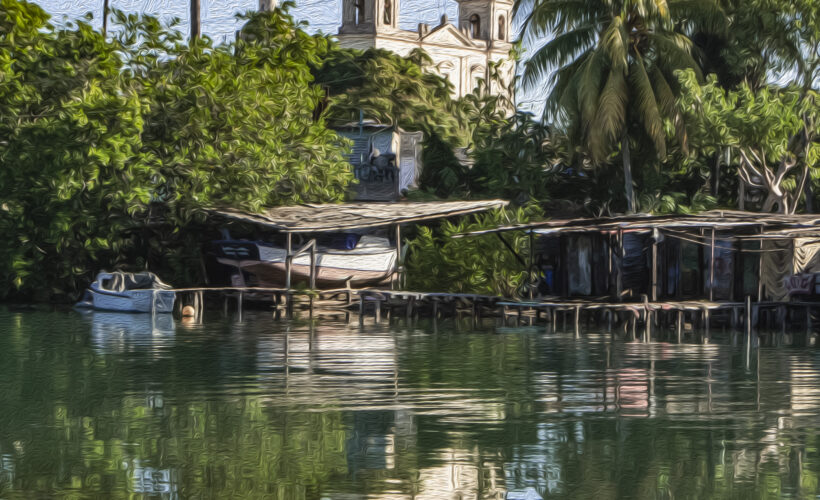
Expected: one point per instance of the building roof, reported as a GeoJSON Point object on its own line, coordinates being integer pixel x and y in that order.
{"type": "Point", "coordinates": [764, 225]}
{"type": "Point", "coordinates": [349, 216]}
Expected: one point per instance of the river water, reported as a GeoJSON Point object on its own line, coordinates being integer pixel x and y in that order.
{"type": "Point", "coordinates": [119, 406]}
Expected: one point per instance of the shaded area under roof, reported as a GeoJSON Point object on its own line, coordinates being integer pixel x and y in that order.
{"type": "Point", "coordinates": [340, 217]}
{"type": "Point", "coordinates": [775, 225]}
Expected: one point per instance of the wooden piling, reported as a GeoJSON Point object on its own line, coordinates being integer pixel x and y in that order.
{"type": "Point", "coordinates": [679, 326]}
{"type": "Point", "coordinates": [577, 321]}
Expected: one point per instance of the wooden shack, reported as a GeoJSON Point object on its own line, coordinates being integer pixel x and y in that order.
{"type": "Point", "coordinates": [714, 256]}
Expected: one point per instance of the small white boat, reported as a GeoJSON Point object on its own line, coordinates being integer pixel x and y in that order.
{"type": "Point", "coordinates": [371, 260]}
{"type": "Point", "coordinates": [129, 292]}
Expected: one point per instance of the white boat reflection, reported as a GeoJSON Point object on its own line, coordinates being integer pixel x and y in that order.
{"type": "Point", "coordinates": [123, 332]}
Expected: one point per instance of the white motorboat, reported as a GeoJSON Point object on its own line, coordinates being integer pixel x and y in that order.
{"type": "Point", "coordinates": [369, 260]}
{"type": "Point", "coordinates": [129, 292]}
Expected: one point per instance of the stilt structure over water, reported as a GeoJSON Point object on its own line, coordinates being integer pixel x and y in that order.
{"type": "Point", "coordinates": [640, 274]}
{"type": "Point", "coordinates": [675, 265]}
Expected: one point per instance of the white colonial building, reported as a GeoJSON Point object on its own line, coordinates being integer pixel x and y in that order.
{"type": "Point", "coordinates": [463, 53]}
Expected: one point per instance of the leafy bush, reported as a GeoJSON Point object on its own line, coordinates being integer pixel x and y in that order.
{"type": "Point", "coordinates": [110, 148]}
{"type": "Point", "coordinates": [477, 264]}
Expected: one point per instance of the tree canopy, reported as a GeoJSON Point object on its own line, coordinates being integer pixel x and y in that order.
{"type": "Point", "coordinates": [111, 146]}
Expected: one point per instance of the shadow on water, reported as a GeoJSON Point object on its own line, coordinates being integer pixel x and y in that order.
{"type": "Point", "coordinates": [117, 406]}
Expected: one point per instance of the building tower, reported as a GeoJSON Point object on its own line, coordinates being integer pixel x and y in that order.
{"type": "Point", "coordinates": [369, 16]}
{"type": "Point", "coordinates": [266, 5]}
{"type": "Point", "coordinates": [487, 20]}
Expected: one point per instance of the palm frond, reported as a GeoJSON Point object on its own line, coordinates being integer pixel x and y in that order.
{"type": "Point", "coordinates": [559, 16]}
{"type": "Point", "coordinates": [591, 78]}
{"type": "Point", "coordinates": [615, 42]}
{"type": "Point", "coordinates": [673, 52]}
{"type": "Point", "coordinates": [646, 104]}
{"type": "Point", "coordinates": [557, 52]}
{"type": "Point", "coordinates": [606, 128]}
{"type": "Point", "coordinates": [700, 15]}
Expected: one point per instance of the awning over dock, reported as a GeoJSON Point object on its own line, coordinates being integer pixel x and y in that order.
{"type": "Point", "coordinates": [348, 216]}
{"type": "Point", "coordinates": [775, 226]}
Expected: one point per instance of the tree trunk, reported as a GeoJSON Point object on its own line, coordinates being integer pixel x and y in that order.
{"type": "Point", "coordinates": [629, 188]}
{"type": "Point", "coordinates": [195, 25]}
{"type": "Point", "coordinates": [105, 18]}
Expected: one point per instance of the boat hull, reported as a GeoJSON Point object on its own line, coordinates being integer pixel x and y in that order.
{"type": "Point", "coordinates": [136, 301]}
{"type": "Point", "coordinates": [371, 263]}
{"type": "Point", "coordinates": [273, 274]}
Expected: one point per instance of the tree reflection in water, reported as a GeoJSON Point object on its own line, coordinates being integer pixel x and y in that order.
{"type": "Point", "coordinates": [117, 407]}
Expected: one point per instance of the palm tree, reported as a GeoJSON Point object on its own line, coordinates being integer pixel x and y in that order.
{"type": "Point", "coordinates": [195, 21]}
{"type": "Point", "coordinates": [612, 67]}
{"type": "Point", "coordinates": [105, 18]}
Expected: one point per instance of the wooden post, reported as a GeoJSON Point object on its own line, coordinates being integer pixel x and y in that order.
{"type": "Point", "coordinates": [530, 274]}
{"type": "Point", "coordinates": [648, 329]}
{"type": "Point", "coordinates": [201, 309]}
{"type": "Point", "coordinates": [619, 281]}
{"type": "Point", "coordinates": [577, 321]}
{"type": "Point", "coordinates": [361, 308]}
{"type": "Point", "coordinates": [289, 262]}
{"type": "Point", "coordinates": [783, 312]}
{"type": "Point", "coordinates": [397, 285]}
{"type": "Point", "coordinates": [655, 266]}
{"type": "Point", "coordinates": [760, 271]}
{"type": "Point", "coordinates": [706, 321]}
{"type": "Point", "coordinates": [312, 268]}
{"type": "Point", "coordinates": [748, 322]}
{"type": "Point", "coordinates": [679, 326]}
{"type": "Point", "coordinates": [712, 268]}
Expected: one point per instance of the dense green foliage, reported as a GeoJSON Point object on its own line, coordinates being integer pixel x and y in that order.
{"type": "Point", "coordinates": [613, 67]}
{"type": "Point", "coordinates": [482, 264]}
{"type": "Point", "coordinates": [71, 168]}
{"type": "Point", "coordinates": [379, 85]}
{"type": "Point", "coordinates": [110, 147]}
{"type": "Point", "coordinates": [773, 132]}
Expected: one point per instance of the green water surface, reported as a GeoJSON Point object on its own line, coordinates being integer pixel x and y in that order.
{"type": "Point", "coordinates": [108, 405]}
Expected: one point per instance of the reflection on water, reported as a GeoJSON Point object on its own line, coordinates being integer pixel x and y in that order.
{"type": "Point", "coordinates": [116, 406]}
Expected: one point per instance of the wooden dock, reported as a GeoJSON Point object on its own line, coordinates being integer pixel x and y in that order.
{"type": "Point", "coordinates": [635, 318]}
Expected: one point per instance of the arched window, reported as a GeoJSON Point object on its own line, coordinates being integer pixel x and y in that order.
{"type": "Point", "coordinates": [388, 12]}
{"type": "Point", "coordinates": [475, 26]}
{"type": "Point", "coordinates": [502, 27]}
{"type": "Point", "coordinates": [359, 6]}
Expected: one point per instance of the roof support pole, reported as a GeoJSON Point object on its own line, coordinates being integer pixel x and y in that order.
{"type": "Point", "coordinates": [511, 249]}
{"type": "Point", "coordinates": [712, 268]}
{"type": "Point", "coordinates": [399, 264]}
{"type": "Point", "coordinates": [532, 278]}
{"type": "Point", "coordinates": [760, 269]}
{"type": "Point", "coordinates": [289, 261]}
{"type": "Point", "coordinates": [313, 266]}
{"type": "Point", "coordinates": [619, 280]}
{"type": "Point", "coordinates": [655, 266]}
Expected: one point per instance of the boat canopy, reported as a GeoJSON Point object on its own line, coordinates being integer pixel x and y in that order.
{"type": "Point", "coordinates": [121, 282]}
